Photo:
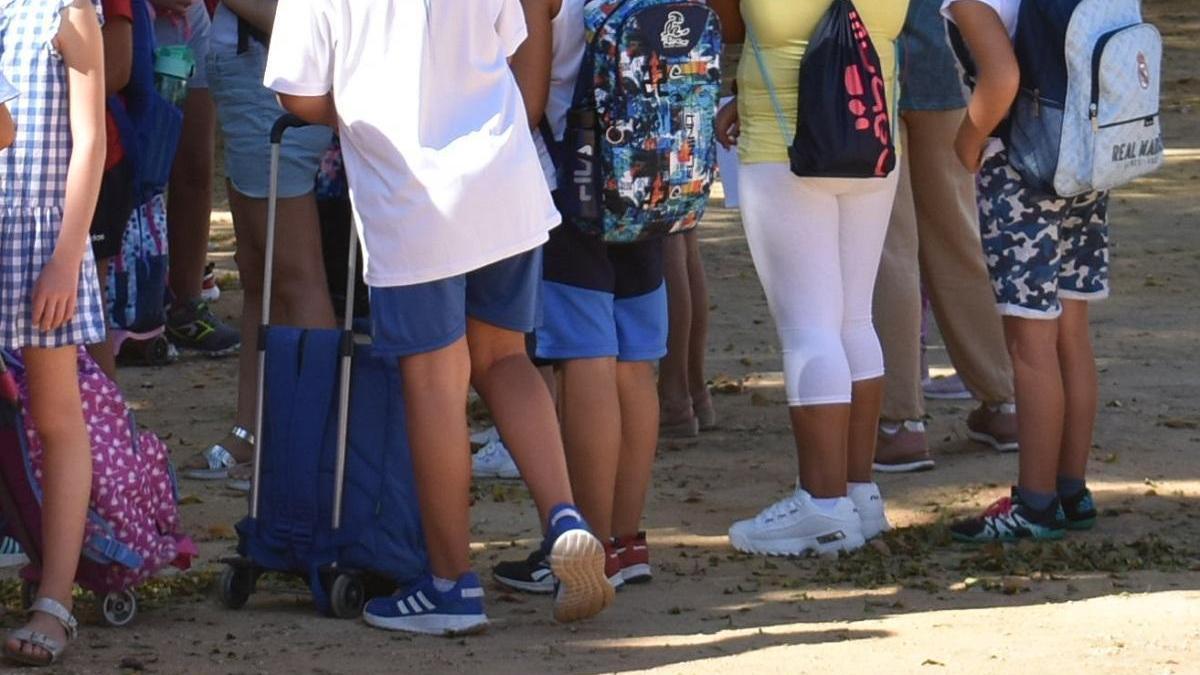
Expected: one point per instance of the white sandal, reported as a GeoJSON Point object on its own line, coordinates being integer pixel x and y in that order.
{"type": "Point", "coordinates": [53, 647]}
{"type": "Point", "coordinates": [219, 459]}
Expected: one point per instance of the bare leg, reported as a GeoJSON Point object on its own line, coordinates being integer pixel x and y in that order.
{"type": "Point", "coordinates": [57, 411]}
{"type": "Point", "coordinates": [1033, 345]}
{"type": "Point", "coordinates": [435, 390]}
{"type": "Point", "coordinates": [1080, 388]}
{"type": "Point", "coordinates": [639, 439]}
{"type": "Point", "coordinates": [590, 406]}
{"type": "Point", "coordinates": [673, 385]}
{"type": "Point", "coordinates": [821, 435]}
{"type": "Point", "coordinates": [301, 296]}
{"type": "Point", "coordinates": [103, 352]}
{"type": "Point", "coordinates": [698, 341]}
{"type": "Point", "coordinates": [189, 209]}
{"type": "Point", "coordinates": [865, 403]}
{"type": "Point", "coordinates": [524, 412]}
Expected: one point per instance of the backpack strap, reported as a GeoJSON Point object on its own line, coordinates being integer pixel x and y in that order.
{"type": "Point", "coordinates": [766, 76]}
{"type": "Point", "coordinates": [247, 32]}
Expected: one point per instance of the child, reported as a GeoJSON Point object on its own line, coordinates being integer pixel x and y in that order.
{"type": "Point", "coordinates": [50, 178]}
{"type": "Point", "coordinates": [816, 244]}
{"type": "Point", "coordinates": [452, 207]}
{"type": "Point", "coordinates": [116, 200]}
{"type": "Point", "coordinates": [687, 407]}
{"type": "Point", "coordinates": [604, 325]}
{"type": "Point", "coordinates": [1041, 291]}
{"type": "Point", "coordinates": [246, 110]}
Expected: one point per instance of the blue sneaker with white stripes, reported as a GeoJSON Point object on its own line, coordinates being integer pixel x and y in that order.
{"type": "Point", "coordinates": [577, 560]}
{"type": "Point", "coordinates": [422, 608]}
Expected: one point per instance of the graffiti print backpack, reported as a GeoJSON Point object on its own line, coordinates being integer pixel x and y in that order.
{"type": "Point", "coordinates": [133, 526]}
{"type": "Point", "coordinates": [639, 154]}
{"type": "Point", "coordinates": [1087, 115]}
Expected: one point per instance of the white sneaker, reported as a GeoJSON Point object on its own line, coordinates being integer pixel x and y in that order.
{"type": "Point", "coordinates": [486, 436]}
{"type": "Point", "coordinates": [869, 503]}
{"type": "Point", "coordinates": [795, 526]}
{"type": "Point", "coordinates": [494, 461]}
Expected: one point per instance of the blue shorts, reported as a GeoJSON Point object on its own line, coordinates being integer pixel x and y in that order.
{"type": "Point", "coordinates": [602, 300]}
{"type": "Point", "coordinates": [1040, 248]}
{"type": "Point", "coordinates": [247, 110]}
{"type": "Point", "coordinates": [407, 320]}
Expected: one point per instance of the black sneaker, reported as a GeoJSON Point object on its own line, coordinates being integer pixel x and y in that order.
{"type": "Point", "coordinates": [1008, 519]}
{"type": "Point", "coordinates": [531, 575]}
{"type": "Point", "coordinates": [1080, 510]}
{"type": "Point", "coordinates": [194, 326]}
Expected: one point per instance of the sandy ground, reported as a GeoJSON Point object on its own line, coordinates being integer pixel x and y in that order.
{"type": "Point", "coordinates": [1123, 598]}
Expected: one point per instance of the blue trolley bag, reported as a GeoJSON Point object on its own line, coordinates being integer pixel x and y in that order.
{"type": "Point", "coordinates": [332, 500]}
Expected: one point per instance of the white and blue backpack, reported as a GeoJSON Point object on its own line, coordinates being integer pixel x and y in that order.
{"type": "Point", "coordinates": [1087, 115]}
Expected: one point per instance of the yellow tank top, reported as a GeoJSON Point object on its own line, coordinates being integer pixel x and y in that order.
{"type": "Point", "coordinates": [783, 28]}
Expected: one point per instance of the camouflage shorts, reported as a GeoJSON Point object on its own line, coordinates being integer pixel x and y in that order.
{"type": "Point", "coordinates": [1040, 248]}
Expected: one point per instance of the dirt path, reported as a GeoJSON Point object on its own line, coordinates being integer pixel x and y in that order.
{"type": "Point", "coordinates": [1124, 598]}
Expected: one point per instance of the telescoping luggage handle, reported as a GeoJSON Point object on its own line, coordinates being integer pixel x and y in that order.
{"type": "Point", "coordinates": [347, 343]}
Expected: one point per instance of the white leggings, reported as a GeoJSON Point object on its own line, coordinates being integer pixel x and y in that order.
{"type": "Point", "coordinates": [816, 244]}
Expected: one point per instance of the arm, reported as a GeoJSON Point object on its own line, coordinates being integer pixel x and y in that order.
{"type": "Point", "coordinates": [311, 109]}
{"type": "Point", "coordinates": [81, 45]}
{"type": "Point", "coordinates": [997, 80]}
{"type": "Point", "coordinates": [118, 53]}
{"type": "Point", "coordinates": [532, 60]}
{"type": "Point", "coordinates": [259, 13]}
{"type": "Point", "coordinates": [733, 27]}
{"type": "Point", "coordinates": [8, 129]}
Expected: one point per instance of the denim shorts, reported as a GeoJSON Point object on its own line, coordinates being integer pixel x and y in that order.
{"type": "Point", "coordinates": [420, 318]}
{"type": "Point", "coordinates": [1040, 248]}
{"type": "Point", "coordinates": [193, 31]}
{"type": "Point", "coordinates": [246, 111]}
{"type": "Point", "coordinates": [602, 300]}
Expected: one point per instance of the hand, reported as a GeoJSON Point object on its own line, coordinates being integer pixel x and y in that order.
{"type": "Point", "coordinates": [727, 125]}
{"type": "Point", "coordinates": [969, 145]}
{"type": "Point", "coordinates": [179, 6]}
{"type": "Point", "coordinates": [55, 294]}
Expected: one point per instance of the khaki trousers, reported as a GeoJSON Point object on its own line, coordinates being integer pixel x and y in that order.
{"type": "Point", "coordinates": [934, 235]}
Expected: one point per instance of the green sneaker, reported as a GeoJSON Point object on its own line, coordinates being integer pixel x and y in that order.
{"type": "Point", "coordinates": [193, 326]}
{"type": "Point", "coordinates": [1080, 510]}
{"type": "Point", "coordinates": [1008, 519]}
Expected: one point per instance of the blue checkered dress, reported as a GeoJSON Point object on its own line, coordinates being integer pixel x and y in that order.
{"type": "Point", "coordinates": [33, 178]}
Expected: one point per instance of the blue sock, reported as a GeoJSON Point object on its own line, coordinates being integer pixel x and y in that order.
{"type": "Point", "coordinates": [562, 518]}
{"type": "Point", "coordinates": [1069, 487]}
{"type": "Point", "coordinates": [1038, 501]}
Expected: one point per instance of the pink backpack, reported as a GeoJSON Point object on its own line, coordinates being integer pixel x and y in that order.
{"type": "Point", "coordinates": [133, 528]}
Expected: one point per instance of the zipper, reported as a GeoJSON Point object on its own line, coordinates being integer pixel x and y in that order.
{"type": "Point", "coordinates": [1097, 57]}
{"type": "Point", "coordinates": [1122, 123]}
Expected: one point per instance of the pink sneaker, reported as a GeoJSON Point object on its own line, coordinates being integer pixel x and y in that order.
{"type": "Point", "coordinates": [902, 448]}
{"type": "Point", "coordinates": [995, 425]}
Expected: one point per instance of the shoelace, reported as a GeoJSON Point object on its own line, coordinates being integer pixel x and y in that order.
{"type": "Point", "coordinates": [783, 507]}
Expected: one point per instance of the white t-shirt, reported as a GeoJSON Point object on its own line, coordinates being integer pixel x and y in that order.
{"type": "Point", "coordinates": [569, 43]}
{"type": "Point", "coordinates": [444, 178]}
{"type": "Point", "coordinates": [1007, 9]}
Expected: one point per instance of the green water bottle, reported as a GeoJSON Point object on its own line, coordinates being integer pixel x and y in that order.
{"type": "Point", "coordinates": [173, 67]}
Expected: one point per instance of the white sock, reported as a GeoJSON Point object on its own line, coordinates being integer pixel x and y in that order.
{"type": "Point", "coordinates": [826, 504]}
{"type": "Point", "coordinates": [442, 585]}
{"type": "Point", "coordinates": [866, 490]}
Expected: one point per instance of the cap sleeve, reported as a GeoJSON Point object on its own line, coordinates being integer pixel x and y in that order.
{"type": "Point", "coordinates": [510, 26]}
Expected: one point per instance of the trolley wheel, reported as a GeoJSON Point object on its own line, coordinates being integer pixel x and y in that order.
{"type": "Point", "coordinates": [237, 584]}
{"type": "Point", "coordinates": [119, 608]}
{"type": "Point", "coordinates": [29, 591]}
{"type": "Point", "coordinates": [347, 596]}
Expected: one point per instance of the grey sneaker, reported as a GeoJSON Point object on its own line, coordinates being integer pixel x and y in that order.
{"type": "Point", "coordinates": [193, 326]}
